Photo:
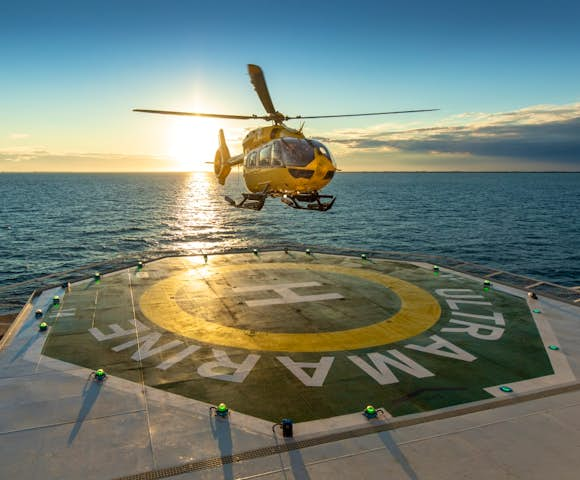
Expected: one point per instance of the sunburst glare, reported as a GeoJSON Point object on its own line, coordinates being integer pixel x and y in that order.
{"type": "Point", "coordinates": [192, 142]}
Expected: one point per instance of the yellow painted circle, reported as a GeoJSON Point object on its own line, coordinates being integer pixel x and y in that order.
{"type": "Point", "coordinates": [419, 311]}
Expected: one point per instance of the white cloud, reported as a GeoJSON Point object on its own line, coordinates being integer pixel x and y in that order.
{"type": "Point", "coordinates": [540, 133]}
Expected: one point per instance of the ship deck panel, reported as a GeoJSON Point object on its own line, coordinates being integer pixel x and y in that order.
{"type": "Point", "coordinates": [312, 337]}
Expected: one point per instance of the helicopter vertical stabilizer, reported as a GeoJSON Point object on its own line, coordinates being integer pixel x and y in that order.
{"type": "Point", "coordinates": [221, 166]}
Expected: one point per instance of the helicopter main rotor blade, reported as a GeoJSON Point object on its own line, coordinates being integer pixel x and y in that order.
{"type": "Point", "coordinates": [361, 114]}
{"type": "Point", "coordinates": [211, 115]}
{"type": "Point", "coordinates": [259, 82]}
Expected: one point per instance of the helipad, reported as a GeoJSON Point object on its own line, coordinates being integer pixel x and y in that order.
{"type": "Point", "coordinates": [307, 336]}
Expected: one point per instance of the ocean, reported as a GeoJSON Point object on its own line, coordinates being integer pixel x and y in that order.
{"type": "Point", "coordinates": [524, 223]}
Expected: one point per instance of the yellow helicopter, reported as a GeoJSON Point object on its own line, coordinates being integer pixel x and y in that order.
{"type": "Point", "coordinates": [278, 161]}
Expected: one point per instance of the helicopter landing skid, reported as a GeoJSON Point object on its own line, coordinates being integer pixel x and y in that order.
{"type": "Point", "coordinates": [312, 201]}
{"type": "Point", "coordinates": [252, 201]}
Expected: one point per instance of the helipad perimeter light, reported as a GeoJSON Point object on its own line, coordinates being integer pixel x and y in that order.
{"type": "Point", "coordinates": [553, 347]}
{"type": "Point", "coordinates": [308, 252]}
{"type": "Point", "coordinates": [363, 256]}
{"type": "Point", "coordinates": [532, 295]}
{"type": "Point", "coordinates": [221, 410]}
{"type": "Point", "coordinates": [486, 285]}
{"type": "Point", "coordinates": [435, 268]}
{"type": "Point", "coordinates": [56, 300]}
{"type": "Point", "coordinates": [139, 265]}
{"type": "Point", "coordinates": [100, 374]}
{"type": "Point", "coordinates": [43, 326]}
{"type": "Point", "coordinates": [38, 313]}
{"type": "Point", "coordinates": [97, 277]}
{"type": "Point", "coordinates": [506, 389]}
{"type": "Point", "coordinates": [255, 251]}
{"type": "Point", "coordinates": [371, 412]}
{"type": "Point", "coordinates": [536, 310]}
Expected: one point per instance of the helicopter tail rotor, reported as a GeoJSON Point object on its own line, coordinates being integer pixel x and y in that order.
{"type": "Point", "coordinates": [221, 165]}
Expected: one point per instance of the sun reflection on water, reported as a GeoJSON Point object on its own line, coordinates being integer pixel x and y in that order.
{"type": "Point", "coordinates": [199, 218]}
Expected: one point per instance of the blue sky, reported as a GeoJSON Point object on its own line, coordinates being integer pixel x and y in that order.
{"type": "Point", "coordinates": [506, 77]}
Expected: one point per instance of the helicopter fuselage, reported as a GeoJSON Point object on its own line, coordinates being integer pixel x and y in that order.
{"type": "Point", "coordinates": [277, 160]}
{"type": "Point", "coordinates": [285, 161]}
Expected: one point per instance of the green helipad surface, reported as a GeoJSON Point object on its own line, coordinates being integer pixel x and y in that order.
{"type": "Point", "coordinates": [302, 336]}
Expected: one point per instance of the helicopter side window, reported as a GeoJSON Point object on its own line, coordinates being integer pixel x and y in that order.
{"type": "Point", "coordinates": [251, 160]}
{"type": "Point", "coordinates": [277, 154]}
{"type": "Point", "coordinates": [265, 154]}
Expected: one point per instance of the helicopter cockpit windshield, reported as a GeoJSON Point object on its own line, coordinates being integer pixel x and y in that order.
{"type": "Point", "coordinates": [296, 152]}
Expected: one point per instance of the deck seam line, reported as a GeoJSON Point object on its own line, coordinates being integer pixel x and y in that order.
{"type": "Point", "coordinates": [143, 389]}
{"type": "Point", "coordinates": [60, 424]}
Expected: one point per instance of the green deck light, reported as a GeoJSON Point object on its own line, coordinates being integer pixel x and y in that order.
{"type": "Point", "coordinates": [363, 256]}
{"type": "Point", "coordinates": [38, 313]}
{"type": "Point", "coordinates": [139, 265]}
{"type": "Point", "coordinates": [221, 410]}
{"type": "Point", "coordinates": [97, 277]}
{"type": "Point", "coordinates": [255, 251]}
{"type": "Point", "coordinates": [100, 374]}
{"type": "Point", "coordinates": [43, 326]}
{"type": "Point", "coordinates": [56, 300]}
{"type": "Point", "coordinates": [435, 268]}
{"type": "Point", "coordinates": [308, 252]}
{"type": "Point", "coordinates": [371, 412]}
{"type": "Point", "coordinates": [553, 347]}
{"type": "Point", "coordinates": [536, 310]}
{"type": "Point", "coordinates": [506, 389]}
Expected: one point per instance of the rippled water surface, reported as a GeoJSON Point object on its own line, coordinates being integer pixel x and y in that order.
{"type": "Point", "coordinates": [523, 223]}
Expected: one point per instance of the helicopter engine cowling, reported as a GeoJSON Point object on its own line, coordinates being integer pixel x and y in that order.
{"type": "Point", "coordinates": [221, 166]}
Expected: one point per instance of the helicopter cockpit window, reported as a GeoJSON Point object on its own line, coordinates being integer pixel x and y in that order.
{"type": "Point", "coordinates": [296, 152]}
{"type": "Point", "coordinates": [322, 149]}
{"type": "Point", "coordinates": [265, 154]}
{"type": "Point", "coordinates": [277, 154]}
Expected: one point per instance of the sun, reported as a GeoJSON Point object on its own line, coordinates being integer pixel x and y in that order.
{"type": "Point", "coordinates": [191, 142]}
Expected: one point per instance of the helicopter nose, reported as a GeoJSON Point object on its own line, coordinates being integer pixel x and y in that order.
{"type": "Point", "coordinates": [326, 168]}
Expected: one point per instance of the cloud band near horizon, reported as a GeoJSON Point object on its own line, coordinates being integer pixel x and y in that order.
{"type": "Point", "coordinates": [543, 137]}
{"type": "Point", "coordinates": [539, 135]}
